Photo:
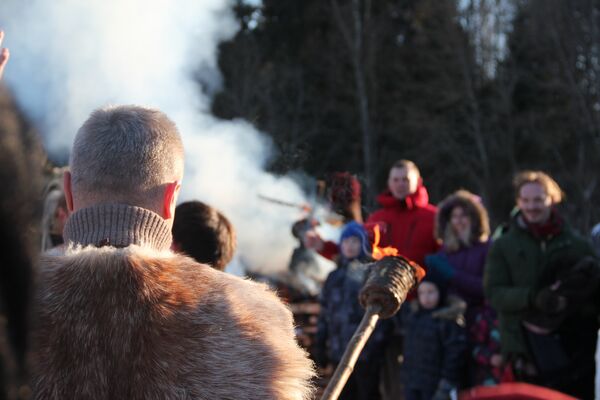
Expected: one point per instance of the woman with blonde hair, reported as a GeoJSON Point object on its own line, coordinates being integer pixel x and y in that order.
{"type": "Point", "coordinates": [462, 228]}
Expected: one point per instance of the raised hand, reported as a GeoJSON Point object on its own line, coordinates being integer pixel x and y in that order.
{"type": "Point", "coordinates": [4, 55]}
{"type": "Point", "coordinates": [313, 241]}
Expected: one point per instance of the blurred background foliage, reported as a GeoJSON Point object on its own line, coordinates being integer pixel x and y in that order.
{"type": "Point", "coordinates": [472, 91]}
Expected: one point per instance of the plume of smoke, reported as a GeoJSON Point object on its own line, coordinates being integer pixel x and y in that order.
{"type": "Point", "coordinates": [69, 57]}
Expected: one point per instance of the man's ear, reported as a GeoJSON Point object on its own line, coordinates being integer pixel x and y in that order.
{"type": "Point", "coordinates": [68, 191]}
{"type": "Point", "coordinates": [170, 199]}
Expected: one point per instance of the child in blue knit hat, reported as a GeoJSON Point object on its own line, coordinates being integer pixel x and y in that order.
{"type": "Point", "coordinates": [354, 243]}
{"type": "Point", "coordinates": [341, 314]}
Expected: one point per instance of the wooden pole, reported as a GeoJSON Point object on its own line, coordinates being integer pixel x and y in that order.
{"type": "Point", "coordinates": [346, 365]}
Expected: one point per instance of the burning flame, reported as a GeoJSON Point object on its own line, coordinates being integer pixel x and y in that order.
{"type": "Point", "coordinates": [378, 252]}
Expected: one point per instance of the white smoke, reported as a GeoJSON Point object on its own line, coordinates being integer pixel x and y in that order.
{"type": "Point", "coordinates": [69, 57]}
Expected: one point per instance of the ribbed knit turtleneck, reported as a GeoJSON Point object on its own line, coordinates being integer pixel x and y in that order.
{"type": "Point", "coordinates": [118, 225]}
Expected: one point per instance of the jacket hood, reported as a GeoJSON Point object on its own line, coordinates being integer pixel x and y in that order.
{"type": "Point", "coordinates": [453, 309]}
{"type": "Point", "coordinates": [471, 204]}
{"type": "Point", "coordinates": [418, 199]}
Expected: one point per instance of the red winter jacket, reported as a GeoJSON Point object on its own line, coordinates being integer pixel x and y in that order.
{"type": "Point", "coordinates": [407, 224]}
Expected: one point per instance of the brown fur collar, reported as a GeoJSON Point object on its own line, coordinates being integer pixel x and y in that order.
{"type": "Point", "coordinates": [471, 204]}
{"type": "Point", "coordinates": [134, 323]}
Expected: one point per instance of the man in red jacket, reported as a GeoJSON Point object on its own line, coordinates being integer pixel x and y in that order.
{"type": "Point", "coordinates": [406, 222]}
{"type": "Point", "coordinates": [406, 218]}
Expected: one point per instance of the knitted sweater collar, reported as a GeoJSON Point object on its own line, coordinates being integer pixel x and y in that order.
{"type": "Point", "coordinates": [117, 225]}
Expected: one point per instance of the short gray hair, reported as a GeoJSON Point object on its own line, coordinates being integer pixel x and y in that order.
{"type": "Point", "coordinates": [126, 152]}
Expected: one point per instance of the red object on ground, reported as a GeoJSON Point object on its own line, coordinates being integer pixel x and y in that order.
{"type": "Point", "coordinates": [513, 390]}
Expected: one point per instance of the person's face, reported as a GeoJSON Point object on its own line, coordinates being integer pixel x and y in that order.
{"type": "Point", "coordinates": [429, 295]}
{"type": "Point", "coordinates": [351, 247]}
{"type": "Point", "coordinates": [61, 214]}
{"type": "Point", "coordinates": [534, 202]}
{"type": "Point", "coordinates": [460, 222]}
{"type": "Point", "coordinates": [402, 182]}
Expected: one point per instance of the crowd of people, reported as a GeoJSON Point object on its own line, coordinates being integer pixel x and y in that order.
{"type": "Point", "coordinates": [125, 304]}
{"type": "Point", "coordinates": [523, 305]}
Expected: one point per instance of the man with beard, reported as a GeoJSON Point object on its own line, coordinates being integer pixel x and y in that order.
{"type": "Point", "coordinates": [119, 316]}
{"type": "Point", "coordinates": [543, 279]}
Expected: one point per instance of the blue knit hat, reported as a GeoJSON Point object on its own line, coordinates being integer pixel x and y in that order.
{"type": "Point", "coordinates": [355, 229]}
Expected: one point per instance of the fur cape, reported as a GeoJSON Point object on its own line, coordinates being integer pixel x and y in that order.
{"type": "Point", "coordinates": [134, 323]}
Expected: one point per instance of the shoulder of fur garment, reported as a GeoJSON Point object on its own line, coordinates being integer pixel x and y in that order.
{"type": "Point", "coordinates": [134, 323]}
{"type": "Point", "coordinates": [453, 309]}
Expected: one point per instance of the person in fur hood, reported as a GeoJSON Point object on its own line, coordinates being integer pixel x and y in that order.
{"type": "Point", "coordinates": [462, 228]}
{"type": "Point", "coordinates": [119, 316]}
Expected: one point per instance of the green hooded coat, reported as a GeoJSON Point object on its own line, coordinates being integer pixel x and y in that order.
{"type": "Point", "coordinates": [512, 273]}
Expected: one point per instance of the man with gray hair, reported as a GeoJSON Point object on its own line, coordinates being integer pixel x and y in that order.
{"type": "Point", "coordinates": [119, 316]}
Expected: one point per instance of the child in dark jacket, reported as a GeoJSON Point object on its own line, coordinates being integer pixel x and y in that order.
{"type": "Point", "coordinates": [341, 314]}
{"type": "Point", "coordinates": [434, 346]}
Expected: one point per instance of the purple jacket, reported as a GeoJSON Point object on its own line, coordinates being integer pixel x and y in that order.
{"type": "Point", "coordinates": [468, 264]}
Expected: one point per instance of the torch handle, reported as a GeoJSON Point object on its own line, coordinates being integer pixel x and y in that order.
{"type": "Point", "coordinates": [346, 365]}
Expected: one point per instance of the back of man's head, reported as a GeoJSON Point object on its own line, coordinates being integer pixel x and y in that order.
{"type": "Point", "coordinates": [125, 154]}
{"type": "Point", "coordinates": [204, 234]}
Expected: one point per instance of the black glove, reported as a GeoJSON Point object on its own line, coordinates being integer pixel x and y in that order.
{"type": "Point", "coordinates": [550, 301]}
{"type": "Point", "coordinates": [587, 265]}
{"type": "Point", "coordinates": [581, 280]}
